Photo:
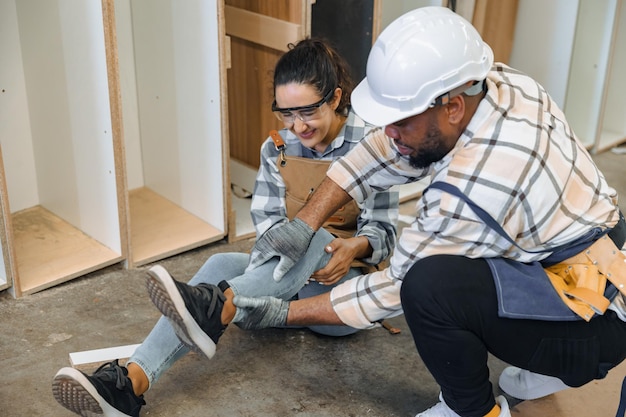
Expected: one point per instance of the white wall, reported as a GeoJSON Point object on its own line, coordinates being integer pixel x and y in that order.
{"type": "Point", "coordinates": [543, 42]}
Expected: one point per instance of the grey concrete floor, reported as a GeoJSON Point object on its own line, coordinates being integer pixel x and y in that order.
{"type": "Point", "coordinates": [274, 372]}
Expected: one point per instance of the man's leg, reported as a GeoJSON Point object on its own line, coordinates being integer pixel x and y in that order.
{"type": "Point", "coordinates": [450, 305]}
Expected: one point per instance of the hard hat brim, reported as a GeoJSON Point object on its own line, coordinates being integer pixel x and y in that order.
{"type": "Point", "coordinates": [373, 111]}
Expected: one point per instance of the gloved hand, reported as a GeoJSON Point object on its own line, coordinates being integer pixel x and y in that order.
{"type": "Point", "coordinates": [289, 242]}
{"type": "Point", "coordinates": [260, 313]}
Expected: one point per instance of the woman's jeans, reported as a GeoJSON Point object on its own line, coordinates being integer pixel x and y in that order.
{"type": "Point", "coordinates": [162, 348]}
{"type": "Point", "coordinates": [450, 305]}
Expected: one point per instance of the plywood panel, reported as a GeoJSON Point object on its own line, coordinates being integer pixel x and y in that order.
{"type": "Point", "coordinates": [49, 251]}
{"type": "Point", "coordinates": [6, 234]}
{"type": "Point", "coordinates": [117, 129]}
{"type": "Point", "coordinates": [250, 91]}
{"type": "Point", "coordinates": [252, 27]}
{"type": "Point", "coordinates": [495, 21]}
{"type": "Point", "coordinates": [160, 228]}
{"type": "Point", "coordinates": [249, 99]}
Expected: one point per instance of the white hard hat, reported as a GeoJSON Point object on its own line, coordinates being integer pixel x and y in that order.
{"type": "Point", "coordinates": [421, 55]}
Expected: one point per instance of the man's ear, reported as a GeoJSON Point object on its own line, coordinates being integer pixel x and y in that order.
{"type": "Point", "coordinates": [455, 109]}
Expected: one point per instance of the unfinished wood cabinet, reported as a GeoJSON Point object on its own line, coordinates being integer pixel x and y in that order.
{"type": "Point", "coordinates": [61, 217]}
{"type": "Point", "coordinates": [577, 51]}
{"type": "Point", "coordinates": [172, 84]}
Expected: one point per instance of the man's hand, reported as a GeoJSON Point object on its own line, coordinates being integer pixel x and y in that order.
{"type": "Point", "coordinates": [344, 252]}
{"type": "Point", "coordinates": [260, 313]}
{"type": "Point", "coordinates": [289, 242]}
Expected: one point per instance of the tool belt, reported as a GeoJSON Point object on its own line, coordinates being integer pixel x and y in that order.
{"type": "Point", "coordinates": [581, 280]}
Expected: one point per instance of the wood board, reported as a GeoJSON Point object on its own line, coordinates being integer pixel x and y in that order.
{"type": "Point", "coordinates": [160, 228]}
{"type": "Point", "coordinates": [49, 250]}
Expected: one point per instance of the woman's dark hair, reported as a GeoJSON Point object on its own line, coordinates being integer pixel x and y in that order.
{"type": "Point", "coordinates": [315, 62]}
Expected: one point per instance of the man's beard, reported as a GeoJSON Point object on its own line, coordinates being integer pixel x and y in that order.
{"type": "Point", "coordinates": [433, 149]}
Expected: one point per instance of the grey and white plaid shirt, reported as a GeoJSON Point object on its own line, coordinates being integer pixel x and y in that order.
{"type": "Point", "coordinates": [379, 212]}
{"type": "Point", "coordinates": [518, 159]}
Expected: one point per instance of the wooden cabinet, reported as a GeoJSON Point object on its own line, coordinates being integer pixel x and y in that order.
{"type": "Point", "coordinates": [61, 210]}
{"type": "Point", "coordinates": [171, 80]}
{"type": "Point", "coordinates": [112, 133]}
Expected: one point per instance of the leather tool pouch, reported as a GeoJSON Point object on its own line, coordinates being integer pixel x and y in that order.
{"type": "Point", "coordinates": [581, 280]}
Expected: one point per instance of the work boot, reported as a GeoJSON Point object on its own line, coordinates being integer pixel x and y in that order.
{"type": "Point", "coordinates": [441, 409]}
{"type": "Point", "coordinates": [107, 392]}
{"type": "Point", "coordinates": [526, 385]}
{"type": "Point", "coordinates": [194, 312]}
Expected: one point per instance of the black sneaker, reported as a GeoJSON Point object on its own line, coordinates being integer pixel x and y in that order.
{"type": "Point", "coordinates": [107, 392]}
{"type": "Point", "coordinates": [195, 312]}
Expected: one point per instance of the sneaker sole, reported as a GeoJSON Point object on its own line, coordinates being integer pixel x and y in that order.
{"type": "Point", "coordinates": [73, 391]}
{"type": "Point", "coordinates": [167, 299]}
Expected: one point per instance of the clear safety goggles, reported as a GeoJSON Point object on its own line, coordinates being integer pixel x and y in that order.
{"type": "Point", "coordinates": [304, 113]}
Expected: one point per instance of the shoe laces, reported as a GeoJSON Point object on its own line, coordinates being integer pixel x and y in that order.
{"type": "Point", "coordinates": [215, 295]}
{"type": "Point", "coordinates": [113, 371]}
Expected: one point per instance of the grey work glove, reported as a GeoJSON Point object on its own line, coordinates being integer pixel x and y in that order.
{"type": "Point", "coordinates": [260, 313]}
{"type": "Point", "coordinates": [289, 242]}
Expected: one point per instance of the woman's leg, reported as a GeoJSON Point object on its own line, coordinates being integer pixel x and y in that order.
{"type": "Point", "coordinates": [162, 347]}
{"type": "Point", "coordinates": [450, 304]}
{"type": "Point", "coordinates": [260, 282]}
{"type": "Point", "coordinates": [311, 289]}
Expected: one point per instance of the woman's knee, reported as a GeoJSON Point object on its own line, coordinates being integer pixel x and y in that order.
{"type": "Point", "coordinates": [221, 266]}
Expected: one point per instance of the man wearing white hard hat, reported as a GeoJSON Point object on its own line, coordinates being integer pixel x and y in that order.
{"type": "Point", "coordinates": [514, 248]}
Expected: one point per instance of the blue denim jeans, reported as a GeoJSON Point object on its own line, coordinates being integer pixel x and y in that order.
{"type": "Point", "coordinates": [162, 348]}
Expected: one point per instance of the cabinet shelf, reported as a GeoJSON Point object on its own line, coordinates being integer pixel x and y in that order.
{"type": "Point", "coordinates": [160, 228]}
{"type": "Point", "coordinates": [50, 251]}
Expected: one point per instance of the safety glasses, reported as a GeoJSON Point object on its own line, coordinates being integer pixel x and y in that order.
{"type": "Point", "coordinates": [304, 113]}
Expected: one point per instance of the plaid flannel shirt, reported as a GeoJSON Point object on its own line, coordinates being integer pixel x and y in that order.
{"type": "Point", "coordinates": [379, 212]}
{"type": "Point", "coordinates": [518, 159]}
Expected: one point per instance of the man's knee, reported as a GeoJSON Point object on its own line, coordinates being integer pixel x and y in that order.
{"type": "Point", "coordinates": [424, 282]}
{"type": "Point", "coordinates": [428, 275]}
{"type": "Point", "coordinates": [444, 279]}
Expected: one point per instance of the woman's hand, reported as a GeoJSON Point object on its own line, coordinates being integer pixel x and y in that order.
{"type": "Point", "coordinates": [344, 252]}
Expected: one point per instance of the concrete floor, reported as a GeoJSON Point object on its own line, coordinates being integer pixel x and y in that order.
{"type": "Point", "coordinates": [271, 372]}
